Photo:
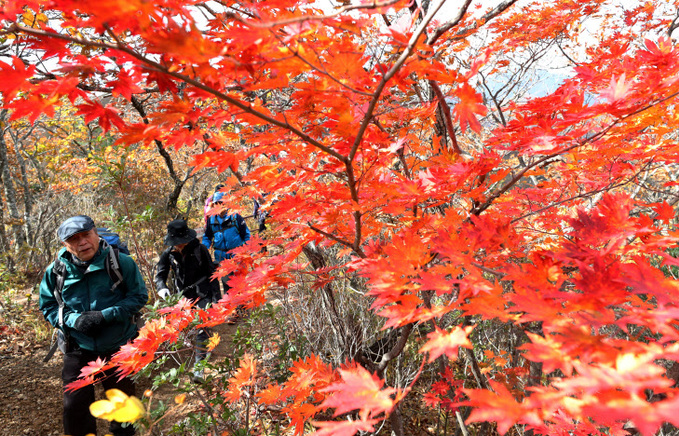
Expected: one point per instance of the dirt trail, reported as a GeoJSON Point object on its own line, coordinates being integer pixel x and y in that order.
{"type": "Point", "coordinates": [30, 389]}
{"type": "Point", "coordinates": [30, 393]}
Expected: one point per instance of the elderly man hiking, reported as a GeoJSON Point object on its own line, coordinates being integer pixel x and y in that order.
{"type": "Point", "coordinates": [92, 294]}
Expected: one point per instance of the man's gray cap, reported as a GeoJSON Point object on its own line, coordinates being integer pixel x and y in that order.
{"type": "Point", "coordinates": [73, 225]}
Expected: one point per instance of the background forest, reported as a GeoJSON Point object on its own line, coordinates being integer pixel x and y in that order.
{"type": "Point", "coordinates": [471, 205]}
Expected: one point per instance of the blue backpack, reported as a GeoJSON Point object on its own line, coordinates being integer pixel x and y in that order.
{"type": "Point", "coordinates": [113, 239]}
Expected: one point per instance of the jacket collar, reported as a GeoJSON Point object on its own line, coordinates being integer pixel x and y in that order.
{"type": "Point", "coordinates": [97, 262]}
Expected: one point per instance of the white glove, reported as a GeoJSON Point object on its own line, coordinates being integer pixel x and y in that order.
{"type": "Point", "coordinates": [164, 293]}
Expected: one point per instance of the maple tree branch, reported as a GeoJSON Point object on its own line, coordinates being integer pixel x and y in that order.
{"type": "Point", "coordinates": [478, 23]}
{"type": "Point", "coordinates": [563, 52]}
{"type": "Point", "coordinates": [449, 25]}
{"type": "Point", "coordinates": [446, 115]}
{"type": "Point", "coordinates": [477, 210]}
{"type": "Point", "coordinates": [496, 102]}
{"type": "Point", "coordinates": [583, 195]}
{"type": "Point", "coordinates": [233, 7]}
{"type": "Point", "coordinates": [476, 369]}
{"type": "Point", "coordinates": [211, 410]}
{"type": "Point", "coordinates": [17, 28]}
{"type": "Point", "coordinates": [338, 240]}
{"type": "Point", "coordinates": [177, 181]}
{"type": "Point", "coordinates": [674, 24]}
{"type": "Point", "coordinates": [89, 88]}
{"type": "Point", "coordinates": [396, 349]}
{"type": "Point", "coordinates": [488, 270]}
{"type": "Point", "coordinates": [422, 27]}
{"type": "Point", "coordinates": [357, 231]}
{"type": "Point", "coordinates": [650, 188]}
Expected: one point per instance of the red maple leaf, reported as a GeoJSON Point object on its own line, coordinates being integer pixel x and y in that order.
{"type": "Point", "coordinates": [243, 378]}
{"type": "Point", "coordinates": [469, 106]}
{"type": "Point", "coordinates": [443, 342]}
{"type": "Point", "coordinates": [93, 367]}
{"type": "Point", "coordinates": [89, 373]}
{"type": "Point", "coordinates": [272, 394]}
{"type": "Point", "coordinates": [499, 406]}
{"type": "Point", "coordinates": [299, 414]}
{"type": "Point", "coordinates": [14, 77]}
{"type": "Point", "coordinates": [665, 211]}
{"type": "Point", "coordinates": [617, 90]}
{"type": "Point", "coordinates": [106, 115]}
{"type": "Point", "coordinates": [362, 390]}
{"type": "Point", "coordinates": [125, 84]}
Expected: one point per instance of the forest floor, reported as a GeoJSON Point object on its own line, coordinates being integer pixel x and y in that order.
{"type": "Point", "coordinates": [31, 392]}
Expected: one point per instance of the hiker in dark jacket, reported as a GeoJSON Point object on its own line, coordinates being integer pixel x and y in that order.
{"type": "Point", "coordinates": [192, 266]}
{"type": "Point", "coordinates": [97, 316]}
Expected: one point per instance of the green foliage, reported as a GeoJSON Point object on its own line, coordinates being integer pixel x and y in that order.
{"type": "Point", "coordinates": [265, 334]}
{"type": "Point", "coordinates": [671, 271]}
{"type": "Point", "coordinates": [261, 333]}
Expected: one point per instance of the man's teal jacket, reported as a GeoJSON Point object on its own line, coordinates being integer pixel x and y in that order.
{"type": "Point", "coordinates": [91, 290]}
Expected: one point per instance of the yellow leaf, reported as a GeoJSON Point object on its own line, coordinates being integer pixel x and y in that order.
{"type": "Point", "coordinates": [213, 342]}
{"type": "Point", "coordinates": [119, 407]}
{"type": "Point", "coordinates": [179, 399]}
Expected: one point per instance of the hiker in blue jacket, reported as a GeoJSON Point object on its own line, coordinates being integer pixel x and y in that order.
{"type": "Point", "coordinates": [224, 232]}
{"type": "Point", "coordinates": [94, 312]}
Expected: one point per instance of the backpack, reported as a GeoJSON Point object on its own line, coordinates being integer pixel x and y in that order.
{"type": "Point", "coordinates": [113, 239]}
{"type": "Point", "coordinates": [198, 254]}
{"type": "Point", "coordinates": [112, 266]}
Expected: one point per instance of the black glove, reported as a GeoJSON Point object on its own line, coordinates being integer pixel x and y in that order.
{"type": "Point", "coordinates": [90, 323]}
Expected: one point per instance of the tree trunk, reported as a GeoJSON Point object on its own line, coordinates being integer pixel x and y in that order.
{"type": "Point", "coordinates": [10, 191]}
{"type": "Point", "coordinates": [173, 198]}
{"type": "Point", "coordinates": [28, 195]}
{"type": "Point", "coordinates": [4, 243]}
{"type": "Point", "coordinates": [396, 421]}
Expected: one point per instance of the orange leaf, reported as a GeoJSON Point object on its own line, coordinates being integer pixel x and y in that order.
{"type": "Point", "coordinates": [243, 378]}
{"type": "Point", "coordinates": [443, 342]}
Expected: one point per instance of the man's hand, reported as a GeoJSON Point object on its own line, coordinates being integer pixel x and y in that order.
{"type": "Point", "coordinates": [164, 293]}
{"type": "Point", "coordinates": [90, 323]}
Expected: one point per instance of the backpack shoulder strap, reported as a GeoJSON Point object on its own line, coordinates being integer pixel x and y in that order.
{"type": "Point", "coordinates": [198, 252]}
{"type": "Point", "coordinates": [59, 270]}
{"type": "Point", "coordinates": [112, 266]}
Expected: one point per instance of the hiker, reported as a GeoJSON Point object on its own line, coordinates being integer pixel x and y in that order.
{"type": "Point", "coordinates": [224, 232]}
{"type": "Point", "coordinates": [192, 266]}
{"type": "Point", "coordinates": [91, 293]}
{"type": "Point", "coordinates": [260, 213]}
{"type": "Point", "coordinates": [209, 203]}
